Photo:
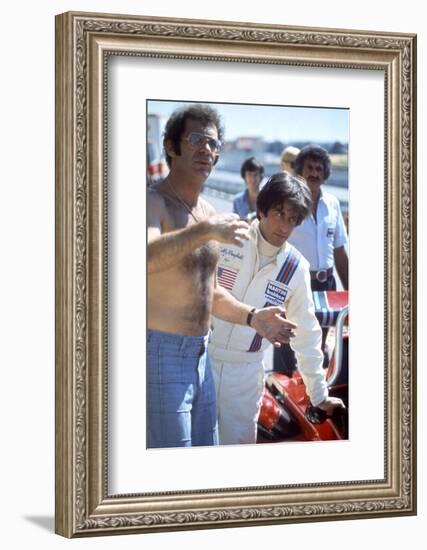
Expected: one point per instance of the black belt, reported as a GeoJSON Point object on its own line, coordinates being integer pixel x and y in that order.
{"type": "Point", "coordinates": [322, 275]}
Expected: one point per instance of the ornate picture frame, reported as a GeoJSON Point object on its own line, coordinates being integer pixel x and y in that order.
{"type": "Point", "coordinates": [84, 42]}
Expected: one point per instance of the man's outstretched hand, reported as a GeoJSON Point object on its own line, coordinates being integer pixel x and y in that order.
{"type": "Point", "coordinates": [271, 324]}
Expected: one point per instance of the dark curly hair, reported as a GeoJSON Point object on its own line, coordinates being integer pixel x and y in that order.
{"type": "Point", "coordinates": [175, 126]}
{"type": "Point", "coordinates": [281, 188]}
{"type": "Point", "coordinates": [316, 153]}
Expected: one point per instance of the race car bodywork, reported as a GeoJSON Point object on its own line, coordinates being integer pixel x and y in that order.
{"type": "Point", "coordinates": [286, 412]}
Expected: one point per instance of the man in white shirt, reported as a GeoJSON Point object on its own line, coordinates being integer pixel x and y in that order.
{"type": "Point", "coordinates": [266, 271]}
{"type": "Point", "coordinates": [322, 236]}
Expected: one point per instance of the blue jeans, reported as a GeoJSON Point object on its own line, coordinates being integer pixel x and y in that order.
{"type": "Point", "coordinates": [181, 407]}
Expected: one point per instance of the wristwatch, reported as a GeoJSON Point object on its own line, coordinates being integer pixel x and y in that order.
{"type": "Point", "coordinates": [250, 315]}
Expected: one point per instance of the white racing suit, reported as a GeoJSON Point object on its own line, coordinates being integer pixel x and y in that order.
{"type": "Point", "coordinates": [236, 351]}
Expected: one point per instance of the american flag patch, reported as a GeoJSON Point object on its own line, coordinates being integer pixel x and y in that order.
{"type": "Point", "coordinates": [226, 277]}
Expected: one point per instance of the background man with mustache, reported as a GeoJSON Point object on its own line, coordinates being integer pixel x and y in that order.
{"type": "Point", "coordinates": [183, 232]}
{"type": "Point", "coordinates": [322, 236]}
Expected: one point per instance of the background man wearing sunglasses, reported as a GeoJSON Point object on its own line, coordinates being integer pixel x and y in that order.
{"type": "Point", "coordinates": [183, 232]}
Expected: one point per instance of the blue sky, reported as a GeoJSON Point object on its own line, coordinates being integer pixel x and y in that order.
{"type": "Point", "coordinates": [283, 123]}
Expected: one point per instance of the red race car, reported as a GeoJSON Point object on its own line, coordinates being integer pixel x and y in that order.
{"type": "Point", "coordinates": [286, 412]}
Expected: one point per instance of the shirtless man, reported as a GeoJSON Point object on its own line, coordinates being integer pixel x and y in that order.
{"type": "Point", "coordinates": [183, 232]}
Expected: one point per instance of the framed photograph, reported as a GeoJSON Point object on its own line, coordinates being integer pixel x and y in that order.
{"type": "Point", "coordinates": [113, 72]}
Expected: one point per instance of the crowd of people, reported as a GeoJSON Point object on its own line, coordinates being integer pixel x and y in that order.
{"type": "Point", "coordinates": [223, 287]}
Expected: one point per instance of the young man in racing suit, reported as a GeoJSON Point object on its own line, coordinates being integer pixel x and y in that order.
{"type": "Point", "coordinates": [266, 271]}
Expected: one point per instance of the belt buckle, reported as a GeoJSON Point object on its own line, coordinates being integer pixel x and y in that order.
{"type": "Point", "coordinates": [322, 276]}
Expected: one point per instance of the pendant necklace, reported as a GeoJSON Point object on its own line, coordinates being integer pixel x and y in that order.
{"type": "Point", "coordinates": [185, 205]}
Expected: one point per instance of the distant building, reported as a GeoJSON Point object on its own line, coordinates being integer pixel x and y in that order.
{"type": "Point", "coordinates": [254, 145]}
{"type": "Point", "coordinates": [156, 162]}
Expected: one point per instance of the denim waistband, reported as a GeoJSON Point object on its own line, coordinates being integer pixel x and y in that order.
{"type": "Point", "coordinates": [177, 341]}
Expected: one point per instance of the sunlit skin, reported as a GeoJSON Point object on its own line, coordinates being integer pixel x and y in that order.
{"type": "Point", "coordinates": [277, 226]}
{"type": "Point", "coordinates": [314, 174]}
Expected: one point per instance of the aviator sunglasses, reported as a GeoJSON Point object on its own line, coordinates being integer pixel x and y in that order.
{"type": "Point", "coordinates": [196, 139]}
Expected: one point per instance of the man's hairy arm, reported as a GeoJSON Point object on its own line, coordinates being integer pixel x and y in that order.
{"type": "Point", "coordinates": [168, 249]}
{"type": "Point", "coordinates": [226, 307]}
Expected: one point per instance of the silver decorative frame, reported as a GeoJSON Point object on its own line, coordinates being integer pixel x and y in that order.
{"type": "Point", "coordinates": [83, 43]}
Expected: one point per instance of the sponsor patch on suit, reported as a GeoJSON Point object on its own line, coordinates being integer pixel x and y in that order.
{"type": "Point", "coordinates": [275, 293]}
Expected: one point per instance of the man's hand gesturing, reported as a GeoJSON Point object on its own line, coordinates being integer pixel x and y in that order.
{"type": "Point", "coordinates": [228, 228]}
{"type": "Point", "coordinates": [270, 323]}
